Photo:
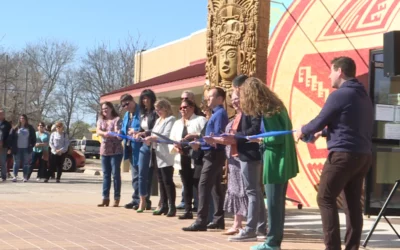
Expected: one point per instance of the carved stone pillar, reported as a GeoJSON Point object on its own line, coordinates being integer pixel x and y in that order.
{"type": "Point", "coordinates": [237, 41]}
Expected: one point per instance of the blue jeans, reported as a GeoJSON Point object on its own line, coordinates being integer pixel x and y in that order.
{"type": "Point", "coordinates": [135, 180]}
{"type": "Point", "coordinates": [144, 168]}
{"type": "Point", "coordinates": [35, 157]}
{"type": "Point", "coordinates": [276, 195]}
{"type": "Point", "coordinates": [22, 157]}
{"type": "Point", "coordinates": [3, 162]}
{"type": "Point", "coordinates": [111, 165]}
{"type": "Point", "coordinates": [256, 210]}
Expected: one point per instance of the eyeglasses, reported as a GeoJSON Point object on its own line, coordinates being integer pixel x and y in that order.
{"type": "Point", "coordinates": [184, 98]}
{"type": "Point", "coordinates": [183, 107]}
{"type": "Point", "coordinates": [125, 104]}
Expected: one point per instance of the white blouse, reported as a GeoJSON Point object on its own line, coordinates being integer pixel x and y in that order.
{"type": "Point", "coordinates": [194, 126]}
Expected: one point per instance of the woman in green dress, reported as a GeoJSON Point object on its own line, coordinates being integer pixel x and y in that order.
{"type": "Point", "coordinates": [279, 154]}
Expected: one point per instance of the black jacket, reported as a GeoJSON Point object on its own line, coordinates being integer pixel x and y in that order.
{"type": "Point", "coordinates": [248, 125]}
{"type": "Point", "coordinates": [12, 139]}
{"type": "Point", "coordinates": [5, 128]}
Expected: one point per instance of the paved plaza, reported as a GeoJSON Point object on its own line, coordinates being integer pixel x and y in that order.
{"type": "Point", "coordinates": [65, 216]}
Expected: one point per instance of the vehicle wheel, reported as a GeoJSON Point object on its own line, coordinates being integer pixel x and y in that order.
{"type": "Point", "coordinates": [69, 164]}
{"type": "Point", "coordinates": [97, 156]}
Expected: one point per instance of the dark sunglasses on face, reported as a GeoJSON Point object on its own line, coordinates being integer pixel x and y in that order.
{"type": "Point", "coordinates": [125, 104]}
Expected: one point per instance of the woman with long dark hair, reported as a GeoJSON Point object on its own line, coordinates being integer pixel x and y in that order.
{"type": "Point", "coordinates": [22, 139]}
{"type": "Point", "coordinates": [148, 117]}
{"type": "Point", "coordinates": [110, 151]}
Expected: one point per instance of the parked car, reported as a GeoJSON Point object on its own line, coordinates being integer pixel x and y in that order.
{"type": "Point", "coordinates": [72, 161]}
{"type": "Point", "coordinates": [90, 148]}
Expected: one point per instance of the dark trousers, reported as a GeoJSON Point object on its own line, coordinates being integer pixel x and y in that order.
{"type": "Point", "coordinates": [37, 157]}
{"type": "Point", "coordinates": [343, 171]}
{"type": "Point", "coordinates": [210, 182]}
{"type": "Point", "coordinates": [167, 186]}
{"type": "Point", "coordinates": [187, 181]}
{"type": "Point", "coordinates": [56, 163]}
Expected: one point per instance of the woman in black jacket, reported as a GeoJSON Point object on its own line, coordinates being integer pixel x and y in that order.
{"type": "Point", "coordinates": [21, 140]}
{"type": "Point", "coordinates": [148, 118]}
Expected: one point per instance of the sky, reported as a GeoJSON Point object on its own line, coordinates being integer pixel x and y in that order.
{"type": "Point", "coordinates": [86, 23]}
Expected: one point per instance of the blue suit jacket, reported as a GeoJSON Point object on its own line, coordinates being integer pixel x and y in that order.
{"type": "Point", "coordinates": [135, 124]}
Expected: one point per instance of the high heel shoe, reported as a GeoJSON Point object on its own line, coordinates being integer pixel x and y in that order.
{"type": "Point", "coordinates": [116, 203]}
{"type": "Point", "coordinates": [142, 207]}
{"type": "Point", "coordinates": [171, 211]}
{"type": "Point", "coordinates": [104, 203]}
{"type": "Point", "coordinates": [161, 211]}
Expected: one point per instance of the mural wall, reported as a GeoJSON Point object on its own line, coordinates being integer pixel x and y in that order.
{"type": "Point", "coordinates": [303, 41]}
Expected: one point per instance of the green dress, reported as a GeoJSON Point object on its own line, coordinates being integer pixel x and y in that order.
{"type": "Point", "coordinates": [280, 157]}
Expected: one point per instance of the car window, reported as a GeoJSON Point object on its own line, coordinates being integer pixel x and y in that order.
{"type": "Point", "coordinates": [93, 143]}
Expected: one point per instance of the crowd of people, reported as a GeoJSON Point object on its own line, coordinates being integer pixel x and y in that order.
{"type": "Point", "coordinates": [206, 141]}
{"type": "Point", "coordinates": [21, 146]}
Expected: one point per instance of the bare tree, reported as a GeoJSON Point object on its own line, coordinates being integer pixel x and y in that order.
{"type": "Point", "coordinates": [66, 99]}
{"type": "Point", "coordinates": [46, 60]}
{"type": "Point", "coordinates": [104, 69]}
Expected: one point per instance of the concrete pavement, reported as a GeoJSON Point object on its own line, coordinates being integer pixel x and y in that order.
{"type": "Point", "coordinates": [65, 216]}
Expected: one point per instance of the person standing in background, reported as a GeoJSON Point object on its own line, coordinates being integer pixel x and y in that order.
{"type": "Point", "coordinates": [5, 128]}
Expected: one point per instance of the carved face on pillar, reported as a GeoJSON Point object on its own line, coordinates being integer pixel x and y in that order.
{"type": "Point", "coordinates": [228, 60]}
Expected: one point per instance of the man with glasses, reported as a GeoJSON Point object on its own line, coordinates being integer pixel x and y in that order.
{"type": "Point", "coordinates": [131, 126]}
{"type": "Point", "coordinates": [5, 128]}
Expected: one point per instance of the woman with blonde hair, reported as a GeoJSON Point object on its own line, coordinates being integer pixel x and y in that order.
{"type": "Point", "coordinates": [165, 160]}
{"type": "Point", "coordinates": [59, 144]}
{"type": "Point", "coordinates": [279, 156]}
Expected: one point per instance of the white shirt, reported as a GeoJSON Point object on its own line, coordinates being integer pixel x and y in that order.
{"type": "Point", "coordinates": [194, 126]}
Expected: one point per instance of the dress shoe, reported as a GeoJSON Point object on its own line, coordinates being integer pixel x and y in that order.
{"type": "Point", "coordinates": [162, 210]}
{"type": "Point", "coordinates": [213, 225]}
{"type": "Point", "coordinates": [195, 227]}
{"type": "Point", "coordinates": [116, 203]}
{"type": "Point", "coordinates": [104, 203]}
{"type": "Point", "coordinates": [186, 216]}
{"type": "Point", "coordinates": [130, 205]}
{"type": "Point", "coordinates": [171, 211]}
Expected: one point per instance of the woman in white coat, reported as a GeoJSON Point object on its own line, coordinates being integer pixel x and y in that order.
{"type": "Point", "coordinates": [165, 160]}
{"type": "Point", "coordinates": [186, 129]}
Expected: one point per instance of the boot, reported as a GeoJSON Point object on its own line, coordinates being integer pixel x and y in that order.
{"type": "Point", "coordinates": [172, 210]}
{"type": "Point", "coordinates": [104, 203]}
{"type": "Point", "coordinates": [116, 203]}
{"type": "Point", "coordinates": [186, 216]}
{"type": "Point", "coordinates": [161, 211]}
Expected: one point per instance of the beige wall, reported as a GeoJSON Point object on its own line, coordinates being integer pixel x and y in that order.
{"type": "Point", "coordinates": [171, 56]}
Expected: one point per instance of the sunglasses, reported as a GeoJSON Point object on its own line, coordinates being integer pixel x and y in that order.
{"type": "Point", "coordinates": [183, 107]}
{"type": "Point", "coordinates": [184, 98]}
{"type": "Point", "coordinates": [125, 104]}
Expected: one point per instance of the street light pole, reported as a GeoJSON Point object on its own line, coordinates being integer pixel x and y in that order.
{"type": "Point", "coordinates": [26, 90]}
{"type": "Point", "coordinates": [5, 83]}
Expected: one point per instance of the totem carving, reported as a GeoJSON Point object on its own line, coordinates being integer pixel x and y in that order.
{"type": "Point", "coordinates": [237, 40]}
